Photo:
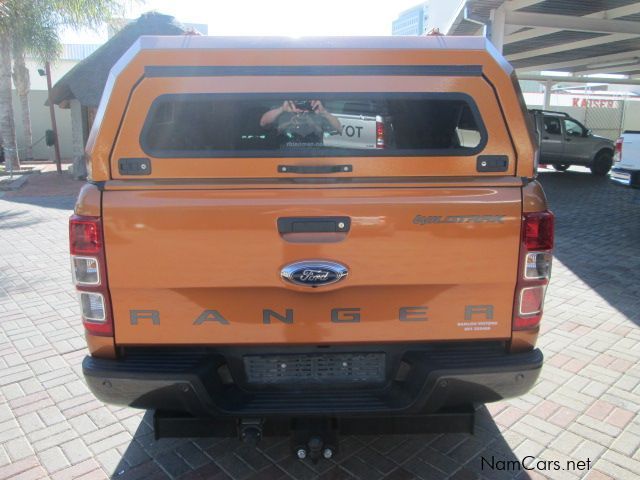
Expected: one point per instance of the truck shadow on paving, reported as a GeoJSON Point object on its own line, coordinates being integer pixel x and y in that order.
{"type": "Point", "coordinates": [597, 235]}
{"type": "Point", "coordinates": [60, 202]}
{"type": "Point", "coordinates": [15, 219]}
{"type": "Point", "coordinates": [434, 456]}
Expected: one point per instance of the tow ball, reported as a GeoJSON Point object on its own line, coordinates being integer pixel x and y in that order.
{"type": "Point", "coordinates": [250, 431]}
{"type": "Point", "coordinates": [314, 439]}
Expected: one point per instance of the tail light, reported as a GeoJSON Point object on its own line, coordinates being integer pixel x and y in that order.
{"type": "Point", "coordinates": [379, 133]}
{"type": "Point", "coordinates": [617, 151]}
{"type": "Point", "coordinates": [535, 269]}
{"type": "Point", "coordinates": [89, 273]}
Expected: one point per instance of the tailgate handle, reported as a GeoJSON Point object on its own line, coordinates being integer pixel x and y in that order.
{"type": "Point", "coordinates": [288, 225]}
{"type": "Point", "coordinates": [311, 169]}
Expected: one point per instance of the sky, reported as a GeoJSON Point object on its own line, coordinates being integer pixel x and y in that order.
{"type": "Point", "coordinates": [269, 17]}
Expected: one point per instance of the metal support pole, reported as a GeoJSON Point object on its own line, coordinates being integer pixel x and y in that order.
{"type": "Point", "coordinates": [469, 17]}
{"type": "Point", "coordinates": [497, 27]}
{"type": "Point", "coordinates": [547, 94]}
{"type": "Point", "coordinates": [52, 112]}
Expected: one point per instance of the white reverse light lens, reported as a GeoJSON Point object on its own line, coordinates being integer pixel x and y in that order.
{"type": "Point", "coordinates": [537, 265]}
{"type": "Point", "coordinates": [92, 305]}
{"type": "Point", "coordinates": [532, 299]}
{"type": "Point", "coordinates": [85, 271]}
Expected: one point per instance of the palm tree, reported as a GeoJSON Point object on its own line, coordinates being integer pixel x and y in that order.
{"type": "Point", "coordinates": [7, 128]}
{"type": "Point", "coordinates": [22, 82]}
{"type": "Point", "coordinates": [37, 34]}
{"type": "Point", "coordinates": [32, 26]}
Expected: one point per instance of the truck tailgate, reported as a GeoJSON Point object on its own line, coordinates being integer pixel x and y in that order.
{"type": "Point", "coordinates": [204, 266]}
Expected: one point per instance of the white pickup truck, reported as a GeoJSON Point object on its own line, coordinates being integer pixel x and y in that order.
{"type": "Point", "coordinates": [626, 159]}
{"type": "Point", "coordinates": [358, 131]}
{"type": "Point", "coordinates": [367, 126]}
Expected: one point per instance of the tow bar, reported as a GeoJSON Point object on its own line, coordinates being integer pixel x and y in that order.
{"type": "Point", "coordinates": [311, 438]}
{"type": "Point", "coordinates": [314, 438]}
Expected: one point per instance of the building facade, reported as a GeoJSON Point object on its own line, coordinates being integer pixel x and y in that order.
{"type": "Point", "coordinates": [413, 21]}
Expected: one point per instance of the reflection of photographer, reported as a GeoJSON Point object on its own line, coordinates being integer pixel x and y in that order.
{"type": "Point", "coordinates": [301, 120]}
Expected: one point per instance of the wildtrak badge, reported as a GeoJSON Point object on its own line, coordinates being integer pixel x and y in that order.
{"type": "Point", "coordinates": [424, 220]}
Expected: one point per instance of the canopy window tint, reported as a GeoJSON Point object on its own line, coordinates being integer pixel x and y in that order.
{"type": "Point", "coordinates": [385, 124]}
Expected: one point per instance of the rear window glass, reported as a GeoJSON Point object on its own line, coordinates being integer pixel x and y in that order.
{"type": "Point", "coordinates": [316, 124]}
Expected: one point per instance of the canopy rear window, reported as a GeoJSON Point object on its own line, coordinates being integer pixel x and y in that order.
{"type": "Point", "coordinates": [313, 124]}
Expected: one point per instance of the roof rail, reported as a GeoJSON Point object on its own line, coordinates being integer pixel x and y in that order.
{"type": "Point", "coordinates": [539, 110]}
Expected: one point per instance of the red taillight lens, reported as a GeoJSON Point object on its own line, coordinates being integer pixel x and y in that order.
{"type": "Point", "coordinates": [617, 152]}
{"type": "Point", "coordinates": [537, 230]}
{"type": "Point", "coordinates": [619, 141]}
{"type": "Point", "coordinates": [85, 235]}
{"type": "Point", "coordinates": [534, 270]}
{"type": "Point", "coordinates": [527, 323]}
{"type": "Point", "coordinates": [531, 300]}
{"type": "Point", "coordinates": [379, 134]}
{"type": "Point", "coordinates": [89, 274]}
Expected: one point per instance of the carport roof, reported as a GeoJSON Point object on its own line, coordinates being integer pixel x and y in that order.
{"type": "Point", "coordinates": [577, 36]}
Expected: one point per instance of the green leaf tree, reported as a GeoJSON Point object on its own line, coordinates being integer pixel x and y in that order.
{"type": "Point", "coordinates": [33, 26]}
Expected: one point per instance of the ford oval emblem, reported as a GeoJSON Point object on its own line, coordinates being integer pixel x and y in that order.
{"type": "Point", "coordinates": [314, 273]}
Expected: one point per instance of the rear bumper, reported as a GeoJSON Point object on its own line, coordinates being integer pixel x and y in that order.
{"type": "Point", "coordinates": [420, 379]}
{"type": "Point", "coordinates": [625, 177]}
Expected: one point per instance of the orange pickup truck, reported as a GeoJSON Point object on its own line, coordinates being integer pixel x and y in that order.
{"type": "Point", "coordinates": [321, 233]}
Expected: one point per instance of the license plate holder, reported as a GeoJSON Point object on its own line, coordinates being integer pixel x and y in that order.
{"type": "Point", "coordinates": [325, 368]}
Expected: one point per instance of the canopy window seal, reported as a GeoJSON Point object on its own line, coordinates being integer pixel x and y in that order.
{"type": "Point", "coordinates": [516, 86]}
{"type": "Point", "coordinates": [149, 130]}
{"type": "Point", "coordinates": [154, 71]}
{"type": "Point", "coordinates": [123, 114]}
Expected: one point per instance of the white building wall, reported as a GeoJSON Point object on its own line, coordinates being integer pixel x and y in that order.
{"type": "Point", "coordinates": [40, 122]}
{"type": "Point", "coordinates": [40, 117]}
{"type": "Point", "coordinates": [58, 70]}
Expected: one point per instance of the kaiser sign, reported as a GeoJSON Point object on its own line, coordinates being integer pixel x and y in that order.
{"type": "Point", "coordinates": [593, 102]}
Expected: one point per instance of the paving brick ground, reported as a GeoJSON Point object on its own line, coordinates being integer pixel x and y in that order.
{"type": "Point", "coordinates": [585, 406]}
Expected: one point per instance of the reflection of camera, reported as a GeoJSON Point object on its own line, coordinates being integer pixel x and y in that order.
{"type": "Point", "coordinates": [303, 105]}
